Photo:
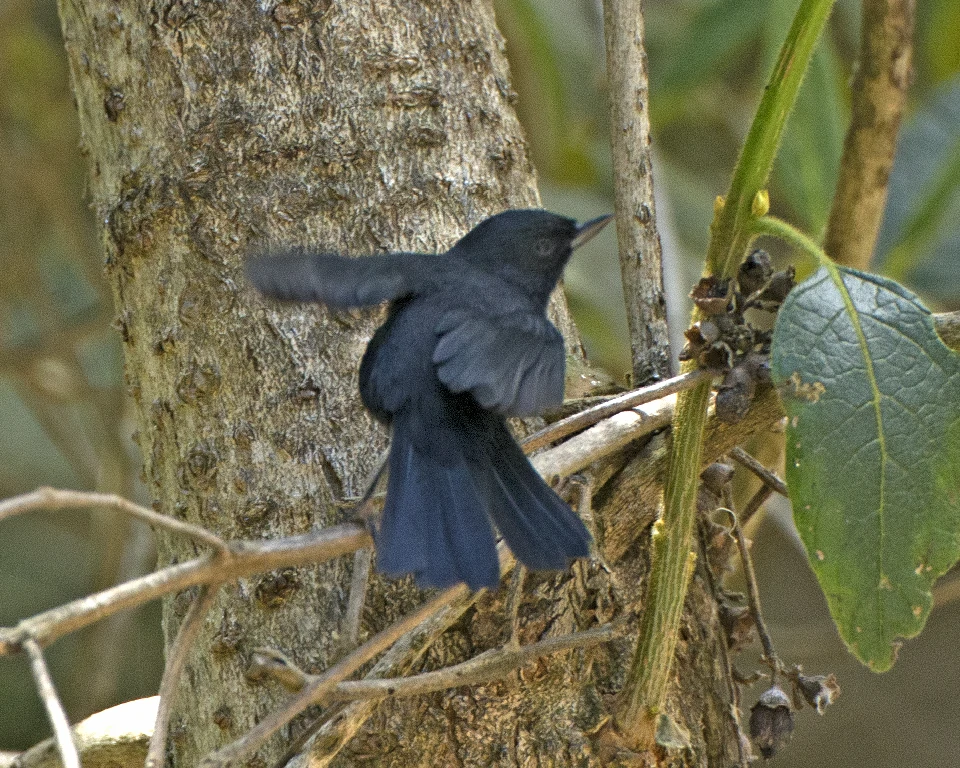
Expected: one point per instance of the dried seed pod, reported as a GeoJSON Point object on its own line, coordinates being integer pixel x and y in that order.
{"type": "Point", "coordinates": [771, 721]}
{"type": "Point", "coordinates": [819, 691]}
{"type": "Point", "coordinates": [754, 272]}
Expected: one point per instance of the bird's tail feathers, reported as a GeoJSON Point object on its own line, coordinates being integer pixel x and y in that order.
{"type": "Point", "coordinates": [436, 521]}
{"type": "Point", "coordinates": [540, 528]}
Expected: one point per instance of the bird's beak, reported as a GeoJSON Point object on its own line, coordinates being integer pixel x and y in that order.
{"type": "Point", "coordinates": [588, 229]}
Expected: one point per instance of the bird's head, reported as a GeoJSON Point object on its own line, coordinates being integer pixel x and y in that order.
{"type": "Point", "coordinates": [529, 247]}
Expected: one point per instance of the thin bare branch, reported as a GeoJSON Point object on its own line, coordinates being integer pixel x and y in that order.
{"type": "Point", "coordinates": [176, 661]}
{"type": "Point", "coordinates": [491, 665]}
{"type": "Point", "coordinates": [768, 477]}
{"type": "Point", "coordinates": [604, 438]}
{"type": "Point", "coordinates": [597, 413]}
{"type": "Point", "coordinates": [362, 560]}
{"type": "Point", "coordinates": [756, 501]}
{"type": "Point", "coordinates": [55, 711]}
{"type": "Point", "coordinates": [322, 686]}
{"type": "Point", "coordinates": [640, 252]}
{"type": "Point", "coordinates": [55, 499]}
{"type": "Point", "coordinates": [753, 593]}
{"type": "Point", "coordinates": [245, 558]}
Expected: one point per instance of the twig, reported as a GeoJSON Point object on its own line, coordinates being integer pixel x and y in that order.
{"type": "Point", "coordinates": [753, 596]}
{"type": "Point", "coordinates": [597, 413]}
{"type": "Point", "coordinates": [322, 686]}
{"type": "Point", "coordinates": [55, 712]}
{"type": "Point", "coordinates": [515, 598]}
{"type": "Point", "coordinates": [769, 478]}
{"type": "Point", "coordinates": [371, 481]}
{"type": "Point", "coordinates": [176, 660]}
{"type": "Point", "coordinates": [604, 438]}
{"type": "Point", "coordinates": [879, 95]}
{"type": "Point", "coordinates": [491, 665]}
{"type": "Point", "coordinates": [948, 326]}
{"type": "Point", "coordinates": [246, 557]}
{"type": "Point", "coordinates": [756, 501]}
{"type": "Point", "coordinates": [640, 252]}
{"type": "Point", "coordinates": [362, 560]}
{"type": "Point", "coordinates": [55, 499]}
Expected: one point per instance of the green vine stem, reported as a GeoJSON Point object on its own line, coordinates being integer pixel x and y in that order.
{"type": "Point", "coordinates": [774, 227]}
{"type": "Point", "coordinates": [672, 557]}
{"type": "Point", "coordinates": [731, 230]}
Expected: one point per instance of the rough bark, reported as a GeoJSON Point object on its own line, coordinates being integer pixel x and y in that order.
{"type": "Point", "coordinates": [884, 68]}
{"type": "Point", "coordinates": [636, 219]}
{"type": "Point", "coordinates": [360, 127]}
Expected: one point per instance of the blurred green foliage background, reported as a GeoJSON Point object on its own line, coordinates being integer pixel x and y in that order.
{"type": "Point", "coordinates": [63, 414]}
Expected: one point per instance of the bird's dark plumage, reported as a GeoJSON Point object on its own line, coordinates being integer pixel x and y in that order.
{"type": "Point", "coordinates": [466, 344]}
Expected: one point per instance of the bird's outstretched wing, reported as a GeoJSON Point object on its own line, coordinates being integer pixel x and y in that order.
{"type": "Point", "coordinates": [512, 364]}
{"type": "Point", "coordinates": [340, 281]}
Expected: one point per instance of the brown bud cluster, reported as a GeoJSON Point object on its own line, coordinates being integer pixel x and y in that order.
{"type": "Point", "coordinates": [725, 342]}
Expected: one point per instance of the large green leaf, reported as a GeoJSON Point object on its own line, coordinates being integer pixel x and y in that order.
{"type": "Point", "coordinates": [873, 451]}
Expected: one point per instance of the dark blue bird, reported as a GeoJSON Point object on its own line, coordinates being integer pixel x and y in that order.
{"type": "Point", "coordinates": [466, 344]}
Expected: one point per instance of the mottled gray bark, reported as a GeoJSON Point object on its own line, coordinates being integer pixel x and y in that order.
{"type": "Point", "coordinates": [636, 217]}
{"type": "Point", "coordinates": [360, 127]}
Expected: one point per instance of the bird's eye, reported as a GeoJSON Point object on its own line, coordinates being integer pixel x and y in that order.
{"type": "Point", "coordinates": [544, 247]}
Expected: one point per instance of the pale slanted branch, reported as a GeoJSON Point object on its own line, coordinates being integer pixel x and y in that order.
{"type": "Point", "coordinates": [769, 478]}
{"type": "Point", "coordinates": [51, 701]}
{"type": "Point", "coordinates": [490, 665]}
{"type": "Point", "coordinates": [597, 413]}
{"type": "Point", "coordinates": [176, 661]}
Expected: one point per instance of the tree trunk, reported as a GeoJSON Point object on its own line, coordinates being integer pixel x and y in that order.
{"type": "Point", "coordinates": [214, 129]}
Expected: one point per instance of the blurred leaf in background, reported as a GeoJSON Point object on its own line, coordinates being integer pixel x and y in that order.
{"type": "Point", "coordinates": [919, 243]}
